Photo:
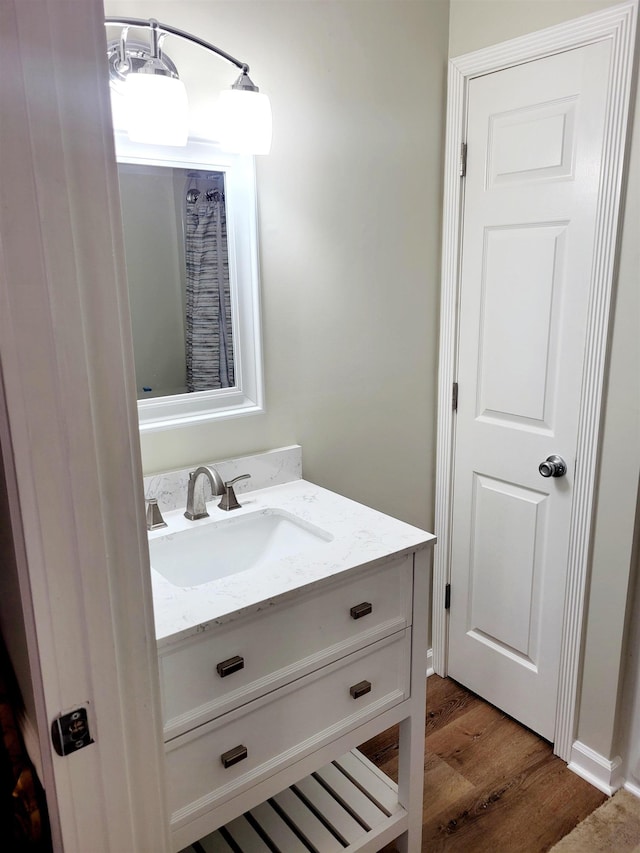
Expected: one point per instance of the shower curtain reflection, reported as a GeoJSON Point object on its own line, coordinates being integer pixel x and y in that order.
{"type": "Point", "coordinates": [208, 322]}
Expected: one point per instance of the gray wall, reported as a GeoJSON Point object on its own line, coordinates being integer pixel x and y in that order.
{"type": "Point", "coordinates": [349, 207]}
{"type": "Point", "coordinates": [152, 240]}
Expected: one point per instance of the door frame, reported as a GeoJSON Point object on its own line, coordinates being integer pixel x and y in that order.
{"type": "Point", "coordinates": [617, 25]}
{"type": "Point", "coordinates": [69, 434]}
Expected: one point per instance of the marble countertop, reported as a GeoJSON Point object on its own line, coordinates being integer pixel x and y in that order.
{"type": "Point", "coordinates": [360, 536]}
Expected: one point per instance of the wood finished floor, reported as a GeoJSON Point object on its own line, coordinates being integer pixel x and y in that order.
{"type": "Point", "coordinates": [490, 785]}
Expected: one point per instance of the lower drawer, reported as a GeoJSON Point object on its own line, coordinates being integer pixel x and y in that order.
{"type": "Point", "coordinates": [295, 720]}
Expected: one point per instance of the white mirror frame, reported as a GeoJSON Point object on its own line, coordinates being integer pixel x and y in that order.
{"type": "Point", "coordinates": [247, 396]}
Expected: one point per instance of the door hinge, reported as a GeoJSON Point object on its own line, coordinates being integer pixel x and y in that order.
{"type": "Point", "coordinates": [454, 397]}
{"type": "Point", "coordinates": [447, 596]}
{"type": "Point", "coordinates": [463, 159]}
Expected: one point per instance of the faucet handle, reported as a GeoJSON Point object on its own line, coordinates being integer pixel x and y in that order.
{"type": "Point", "coordinates": [229, 500]}
{"type": "Point", "coordinates": [154, 516]}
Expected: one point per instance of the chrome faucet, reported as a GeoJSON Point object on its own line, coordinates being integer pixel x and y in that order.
{"type": "Point", "coordinates": [196, 501]}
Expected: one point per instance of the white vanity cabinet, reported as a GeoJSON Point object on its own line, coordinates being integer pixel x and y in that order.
{"type": "Point", "coordinates": [262, 714]}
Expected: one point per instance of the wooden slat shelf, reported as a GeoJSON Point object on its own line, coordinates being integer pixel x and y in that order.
{"type": "Point", "coordinates": [349, 805]}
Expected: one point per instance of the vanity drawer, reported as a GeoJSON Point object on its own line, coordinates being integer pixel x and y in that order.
{"type": "Point", "coordinates": [229, 665]}
{"type": "Point", "coordinates": [258, 739]}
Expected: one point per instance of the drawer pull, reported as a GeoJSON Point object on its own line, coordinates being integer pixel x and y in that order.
{"type": "Point", "coordinates": [229, 666]}
{"type": "Point", "coordinates": [233, 756]}
{"type": "Point", "coordinates": [361, 610]}
{"type": "Point", "coordinates": [360, 689]}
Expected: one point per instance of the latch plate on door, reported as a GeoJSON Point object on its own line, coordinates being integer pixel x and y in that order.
{"type": "Point", "coordinates": [70, 732]}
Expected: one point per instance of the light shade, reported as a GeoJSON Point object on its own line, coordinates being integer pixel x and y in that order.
{"type": "Point", "coordinates": [245, 122]}
{"type": "Point", "coordinates": [157, 109]}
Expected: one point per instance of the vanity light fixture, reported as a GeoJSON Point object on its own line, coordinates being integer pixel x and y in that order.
{"type": "Point", "coordinates": [155, 99]}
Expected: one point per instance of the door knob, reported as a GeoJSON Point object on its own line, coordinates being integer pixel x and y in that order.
{"type": "Point", "coordinates": [553, 466]}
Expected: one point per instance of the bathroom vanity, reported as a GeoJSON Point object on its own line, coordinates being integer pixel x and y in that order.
{"type": "Point", "coordinates": [273, 670]}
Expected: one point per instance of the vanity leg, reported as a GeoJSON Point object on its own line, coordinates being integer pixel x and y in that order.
{"type": "Point", "coordinates": [412, 729]}
{"type": "Point", "coordinates": [410, 781]}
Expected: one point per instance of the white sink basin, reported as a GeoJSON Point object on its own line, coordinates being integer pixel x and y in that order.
{"type": "Point", "coordinates": [210, 551]}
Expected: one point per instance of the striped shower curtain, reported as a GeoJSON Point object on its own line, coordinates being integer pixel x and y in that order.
{"type": "Point", "coordinates": [208, 327]}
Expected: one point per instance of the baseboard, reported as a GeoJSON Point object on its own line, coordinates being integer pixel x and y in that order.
{"type": "Point", "coordinates": [601, 772]}
{"type": "Point", "coordinates": [632, 788]}
{"type": "Point", "coordinates": [430, 670]}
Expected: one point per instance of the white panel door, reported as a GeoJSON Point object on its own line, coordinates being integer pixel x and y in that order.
{"type": "Point", "coordinates": [535, 135]}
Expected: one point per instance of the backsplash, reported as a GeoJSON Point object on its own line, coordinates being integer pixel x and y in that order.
{"type": "Point", "coordinates": [271, 468]}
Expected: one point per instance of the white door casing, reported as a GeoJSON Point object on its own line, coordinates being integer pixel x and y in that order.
{"type": "Point", "coordinates": [69, 434]}
{"type": "Point", "coordinates": [615, 28]}
{"type": "Point", "coordinates": [534, 136]}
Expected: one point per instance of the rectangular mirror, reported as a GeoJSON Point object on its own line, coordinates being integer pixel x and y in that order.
{"type": "Point", "coordinates": [190, 236]}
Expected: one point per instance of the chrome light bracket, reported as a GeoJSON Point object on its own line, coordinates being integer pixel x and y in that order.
{"type": "Point", "coordinates": [137, 55]}
{"type": "Point", "coordinates": [245, 83]}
